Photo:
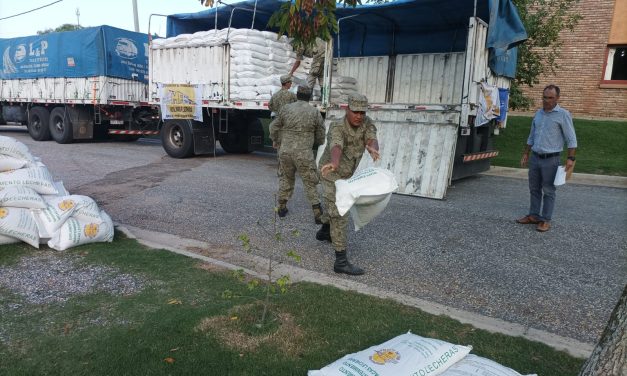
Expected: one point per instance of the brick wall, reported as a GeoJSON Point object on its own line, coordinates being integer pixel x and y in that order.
{"type": "Point", "coordinates": [581, 67]}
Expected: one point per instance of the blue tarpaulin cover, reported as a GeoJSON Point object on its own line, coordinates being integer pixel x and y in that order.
{"type": "Point", "coordinates": [398, 27]}
{"type": "Point", "coordinates": [89, 52]}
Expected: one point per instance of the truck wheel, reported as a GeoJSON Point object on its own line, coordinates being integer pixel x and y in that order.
{"type": "Point", "coordinates": [38, 128]}
{"type": "Point", "coordinates": [177, 138]}
{"type": "Point", "coordinates": [61, 126]}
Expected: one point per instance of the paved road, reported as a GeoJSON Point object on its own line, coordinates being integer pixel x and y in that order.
{"type": "Point", "coordinates": [465, 252]}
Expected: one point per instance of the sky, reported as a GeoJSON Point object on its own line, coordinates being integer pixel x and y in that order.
{"type": "Point", "coordinates": [117, 13]}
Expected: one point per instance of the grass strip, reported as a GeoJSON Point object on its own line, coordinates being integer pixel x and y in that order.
{"type": "Point", "coordinates": [178, 323]}
{"type": "Point", "coordinates": [600, 149]}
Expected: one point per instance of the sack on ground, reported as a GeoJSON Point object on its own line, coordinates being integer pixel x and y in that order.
{"type": "Point", "coordinates": [14, 148]}
{"type": "Point", "coordinates": [8, 163]}
{"type": "Point", "coordinates": [407, 354]}
{"type": "Point", "coordinates": [473, 365]}
{"type": "Point", "coordinates": [59, 209]}
{"type": "Point", "coordinates": [366, 194]}
{"type": "Point", "coordinates": [36, 178]}
{"type": "Point", "coordinates": [18, 223]}
{"type": "Point", "coordinates": [76, 231]}
{"type": "Point", "coordinates": [21, 197]}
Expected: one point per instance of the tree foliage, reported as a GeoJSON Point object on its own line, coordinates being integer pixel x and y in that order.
{"type": "Point", "coordinates": [64, 27]}
{"type": "Point", "coordinates": [544, 20]}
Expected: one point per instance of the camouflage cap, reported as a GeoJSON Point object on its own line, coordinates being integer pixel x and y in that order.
{"type": "Point", "coordinates": [303, 90]}
{"type": "Point", "coordinates": [357, 102]}
{"type": "Point", "coordinates": [285, 79]}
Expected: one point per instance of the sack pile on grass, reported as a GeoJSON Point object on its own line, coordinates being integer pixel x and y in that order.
{"type": "Point", "coordinates": [258, 59]}
{"type": "Point", "coordinates": [37, 210]}
{"type": "Point", "coordinates": [409, 354]}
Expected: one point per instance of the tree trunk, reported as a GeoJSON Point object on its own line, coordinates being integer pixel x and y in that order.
{"type": "Point", "coordinates": [609, 357]}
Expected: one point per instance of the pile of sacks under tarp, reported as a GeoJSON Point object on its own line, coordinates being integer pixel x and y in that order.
{"type": "Point", "coordinates": [37, 210]}
{"type": "Point", "coordinates": [409, 354]}
{"type": "Point", "coordinates": [258, 59]}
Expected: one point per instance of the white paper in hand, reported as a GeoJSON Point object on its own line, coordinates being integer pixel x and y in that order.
{"type": "Point", "coordinates": [560, 176]}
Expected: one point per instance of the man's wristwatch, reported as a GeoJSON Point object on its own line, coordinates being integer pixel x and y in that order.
{"type": "Point", "coordinates": [571, 158]}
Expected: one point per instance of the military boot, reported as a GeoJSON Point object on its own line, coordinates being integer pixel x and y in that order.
{"type": "Point", "coordinates": [343, 266]}
{"type": "Point", "coordinates": [324, 233]}
{"type": "Point", "coordinates": [282, 212]}
{"type": "Point", "coordinates": [317, 210]}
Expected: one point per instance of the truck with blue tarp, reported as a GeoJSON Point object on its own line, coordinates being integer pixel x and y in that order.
{"type": "Point", "coordinates": [78, 84]}
{"type": "Point", "coordinates": [432, 70]}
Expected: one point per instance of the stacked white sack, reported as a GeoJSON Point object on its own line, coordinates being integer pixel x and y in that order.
{"type": "Point", "coordinates": [29, 196]}
{"type": "Point", "coordinates": [365, 194]}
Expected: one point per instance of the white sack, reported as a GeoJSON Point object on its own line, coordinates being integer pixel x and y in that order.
{"type": "Point", "coordinates": [473, 365]}
{"type": "Point", "coordinates": [366, 208]}
{"type": "Point", "coordinates": [407, 354]}
{"type": "Point", "coordinates": [21, 197]}
{"type": "Point", "coordinates": [37, 178]}
{"type": "Point", "coordinates": [59, 209]}
{"type": "Point", "coordinates": [13, 148]}
{"type": "Point", "coordinates": [8, 240]}
{"type": "Point", "coordinates": [8, 163]}
{"type": "Point", "coordinates": [18, 223]}
{"type": "Point", "coordinates": [371, 181]}
{"type": "Point", "coordinates": [77, 231]}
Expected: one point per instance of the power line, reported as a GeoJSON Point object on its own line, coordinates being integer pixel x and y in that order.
{"type": "Point", "coordinates": [28, 11]}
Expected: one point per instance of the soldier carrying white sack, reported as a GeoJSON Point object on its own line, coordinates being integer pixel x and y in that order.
{"type": "Point", "coordinates": [346, 141]}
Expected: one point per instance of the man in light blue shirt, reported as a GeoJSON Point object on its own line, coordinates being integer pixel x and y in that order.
{"type": "Point", "coordinates": [551, 128]}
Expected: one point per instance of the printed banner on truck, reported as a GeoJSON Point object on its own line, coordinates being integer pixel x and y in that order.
{"type": "Point", "coordinates": [180, 101]}
{"type": "Point", "coordinates": [89, 52]}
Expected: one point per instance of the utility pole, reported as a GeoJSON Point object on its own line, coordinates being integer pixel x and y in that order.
{"type": "Point", "coordinates": [136, 16]}
{"type": "Point", "coordinates": [78, 18]}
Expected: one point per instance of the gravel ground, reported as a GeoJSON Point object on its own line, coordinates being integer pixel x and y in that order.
{"type": "Point", "coordinates": [465, 252]}
{"type": "Point", "coordinates": [52, 277]}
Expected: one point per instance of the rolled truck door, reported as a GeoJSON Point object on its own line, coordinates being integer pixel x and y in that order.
{"type": "Point", "coordinates": [474, 148]}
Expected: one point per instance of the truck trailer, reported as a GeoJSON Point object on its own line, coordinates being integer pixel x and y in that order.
{"type": "Point", "coordinates": [424, 65]}
{"type": "Point", "coordinates": [78, 85]}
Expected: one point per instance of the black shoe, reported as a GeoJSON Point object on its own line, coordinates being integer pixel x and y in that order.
{"type": "Point", "coordinates": [324, 233]}
{"type": "Point", "coordinates": [343, 266]}
{"type": "Point", "coordinates": [282, 212]}
{"type": "Point", "coordinates": [317, 210]}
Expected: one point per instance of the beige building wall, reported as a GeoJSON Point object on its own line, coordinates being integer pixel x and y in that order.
{"type": "Point", "coordinates": [584, 92]}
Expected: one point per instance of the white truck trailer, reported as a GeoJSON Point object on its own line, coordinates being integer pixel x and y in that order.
{"type": "Point", "coordinates": [78, 84]}
{"type": "Point", "coordinates": [421, 63]}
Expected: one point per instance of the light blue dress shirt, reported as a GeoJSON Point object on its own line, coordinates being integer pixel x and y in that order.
{"type": "Point", "coordinates": [550, 130]}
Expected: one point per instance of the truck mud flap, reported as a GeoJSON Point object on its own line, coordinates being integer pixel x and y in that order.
{"type": "Point", "coordinates": [204, 141]}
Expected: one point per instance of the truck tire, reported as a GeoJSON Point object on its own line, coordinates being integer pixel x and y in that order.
{"type": "Point", "coordinates": [38, 120]}
{"type": "Point", "coordinates": [61, 126]}
{"type": "Point", "coordinates": [238, 139]}
{"type": "Point", "coordinates": [177, 138]}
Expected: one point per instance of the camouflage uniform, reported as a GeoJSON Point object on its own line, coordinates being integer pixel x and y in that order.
{"type": "Point", "coordinates": [299, 127]}
{"type": "Point", "coordinates": [353, 143]}
{"type": "Point", "coordinates": [278, 100]}
{"type": "Point", "coordinates": [315, 52]}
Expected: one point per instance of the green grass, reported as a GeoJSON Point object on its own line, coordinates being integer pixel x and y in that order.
{"type": "Point", "coordinates": [145, 334]}
{"type": "Point", "coordinates": [601, 145]}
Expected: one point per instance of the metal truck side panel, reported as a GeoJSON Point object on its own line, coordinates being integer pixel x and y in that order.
{"type": "Point", "coordinates": [370, 72]}
{"type": "Point", "coordinates": [418, 146]}
{"type": "Point", "coordinates": [87, 90]}
{"type": "Point", "coordinates": [190, 65]}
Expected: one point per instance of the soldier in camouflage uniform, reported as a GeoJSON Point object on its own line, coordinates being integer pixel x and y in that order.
{"type": "Point", "coordinates": [346, 141]}
{"type": "Point", "coordinates": [316, 52]}
{"type": "Point", "coordinates": [296, 130]}
{"type": "Point", "coordinates": [280, 99]}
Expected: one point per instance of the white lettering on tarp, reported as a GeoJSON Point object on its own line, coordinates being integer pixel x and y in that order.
{"type": "Point", "coordinates": [37, 48]}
